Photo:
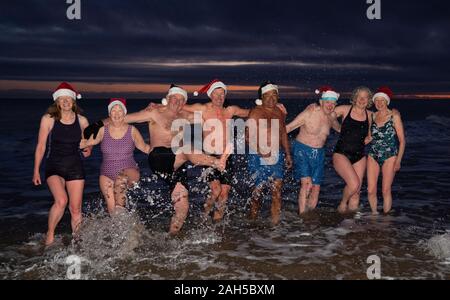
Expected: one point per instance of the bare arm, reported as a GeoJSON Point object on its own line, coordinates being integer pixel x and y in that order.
{"type": "Point", "coordinates": [240, 112]}
{"type": "Point", "coordinates": [83, 124]}
{"type": "Point", "coordinates": [285, 140]}
{"type": "Point", "coordinates": [334, 122]}
{"type": "Point", "coordinates": [299, 120]}
{"type": "Point", "coordinates": [139, 141]}
{"type": "Point", "coordinates": [139, 117]}
{"type": "Point", "coordinates": [398, 125]}
{"type": "Point", "coordinates": [194, 107]}
{"type": "Point", "coordinates": [44, 130]}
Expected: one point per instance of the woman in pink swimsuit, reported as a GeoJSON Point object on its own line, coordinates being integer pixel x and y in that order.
{"type": "Point", "coordinates": [119, 170]}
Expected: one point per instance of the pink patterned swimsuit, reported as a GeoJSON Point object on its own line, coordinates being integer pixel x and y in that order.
{"type": "Point", "coordinates": [117, 154]}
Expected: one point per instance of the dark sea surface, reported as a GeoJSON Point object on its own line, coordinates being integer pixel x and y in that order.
{"type": "Point", "coordinates": [413, 242]}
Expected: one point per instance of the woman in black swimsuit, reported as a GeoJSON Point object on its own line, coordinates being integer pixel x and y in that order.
{"type": "Point", "coordinates": [62, 126]}
{"type": "Point", "coordinates": [349, 157]}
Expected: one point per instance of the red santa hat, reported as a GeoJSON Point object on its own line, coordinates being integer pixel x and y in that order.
{"type": "Point", "coordinates": [210, 87]}
{"type": "Point", "coordinates": [328, 93]}
{"type": "Point", "coordinates": [384, 92]}
{"type": "Point", "coordinates": [265, 87]}
{"type": "Point", "coordinates": [117, 101]}
{"type": "Point", "coordinates": [65, 89]}
{"type": "Point", "coordinates": [174, 89]}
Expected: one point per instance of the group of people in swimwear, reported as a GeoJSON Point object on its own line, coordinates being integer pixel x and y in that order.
{"type": "Point", "coordinates": [68, 136]}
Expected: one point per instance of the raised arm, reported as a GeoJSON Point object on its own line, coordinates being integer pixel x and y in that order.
{"type": "Point", "coordinates": [398, 125]}
{"type": "Point", "coordinates": [194, 107]}
{"type": "Point", "coordinates": [299, 120]}
{"type": "Point", "coordinates": [139, 141]}
{"type": "Point", "coordinates": [44, 129]}
{"type": "Point", "coordinates": [240, 112]}
{"type": "Point", "coordinates": [139, 117]}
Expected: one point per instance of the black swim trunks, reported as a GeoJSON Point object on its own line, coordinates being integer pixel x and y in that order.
{"type": "Point", "coordinates": [225, 177]}
{"type": "Point", "coordinates": [64, 155]}
{"type": "Point", "coordinates": [351, 139]}
{"type": "Point", "coordinates": [161, 161]}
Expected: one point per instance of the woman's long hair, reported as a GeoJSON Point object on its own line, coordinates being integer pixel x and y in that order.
{"type": "Point", "coordinates": [55, 111]}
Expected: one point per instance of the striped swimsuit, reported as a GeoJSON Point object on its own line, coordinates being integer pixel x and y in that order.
{"type": "Point", "coordinates": [117, 154]}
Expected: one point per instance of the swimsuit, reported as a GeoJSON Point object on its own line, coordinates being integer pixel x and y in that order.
{"type": "Point", "coordinates": [117, 154]}
{"type": "Point", "coordinates": [308, 162]}
{"type": "Point", "coordinates": [225, 177]}
{"type": "Point", "coordinates": [384, 144]}
{"type": "Point", "coordinates": [261, 171]}
{"type": "Point", "coordinates": [63, 157]}
{"type": "Point", "coordinates": [161, 161]}
{"type": "Point", "coordinates": [351, 139]}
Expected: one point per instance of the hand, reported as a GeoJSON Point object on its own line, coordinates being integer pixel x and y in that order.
{"type": "Point", "coordinates": [83, 143]}
{"type": "Point", "coordinates": [397, 165]}
{"type": "Point", "coordinates": [282, 108]}
{"type": "Point", "coordinates": [288, 162]}
{"type": "Point", "coordinates": [87, 152]}
{"type": "Point", "coordinates": [93, 129]}
{"type": "Point", "coordinates": [368, 140]}
{"type": "Point", "coordinates": [37, 179]}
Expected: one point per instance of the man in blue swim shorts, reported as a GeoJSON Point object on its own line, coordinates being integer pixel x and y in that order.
{"type": "Point", "coordinates": [308, 148]}
{"type": "Point", "coordinates": [266, 131]}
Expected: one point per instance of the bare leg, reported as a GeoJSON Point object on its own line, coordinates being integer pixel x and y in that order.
{"type": "Point", "coordinates": [180, 202]}
{"type": "Point", "coordinates": [313, 197]}
{"type": "Point", "coordinates": [75, 190]}
{"type": "Point", "coordinates": [305, 190]}
{"type": "Point", "coordinates": [107, 188]}
{"type": "Point", "coordinates": [216, 189]}
{"type": "Point", "coordinates": [360, 169]}
{"type": "Point", "coordinates": [204, 160]}
{"type": "Point", "coordinates": [373, 171]}
{"type": "Point", "coordinates": [124, 180]}
{"type": "Point", "coordinates": [276, 201]}
{"type": "Point", "coordinates": [345, 169]}
{"type": "Point", "coordinates": [222, 202]}
{"type": "Point", "coordinates": [57, 187]}
{"type": "Point", "coordinates": [255, 204]}
{"type": "Point", "coordinates": [388, 178]}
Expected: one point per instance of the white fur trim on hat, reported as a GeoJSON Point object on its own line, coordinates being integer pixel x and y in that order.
{"type": "Point", "coordinates": [258, 102]}
{"type": "Point", "coordinates": [384, 95]}
{"type": "Point", "coordinates": [176, 90]}
{"type": "Point", "coordinates": [65, 92]}
{"type": "Point", "coordinates": [330, 96]}
{"type": "Point", "coordinates": [114, 103]}
{"type": "Point", "coordinates": [268, 88]}
{"type": "Point", "coordinates": [216, 85]}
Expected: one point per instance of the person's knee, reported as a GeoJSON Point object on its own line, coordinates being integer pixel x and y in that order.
{"type": "Point", "coordinates": [387, 191]}
{"type": "Point", "coordinates": [354, 187]}
{"type": "Point", "coordinates": [75, 210]}
{"type": "Point", "coordinates": [61, 203]}
{"type": "Point", "coordinates": [306, 185]}
{"type": "Point", "coordinates": [372, 191]}
{"type": "Point", "coordinates": [121, 181]}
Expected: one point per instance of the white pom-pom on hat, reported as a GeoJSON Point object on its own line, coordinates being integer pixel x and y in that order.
{"type": "Point", "coordinates": [258, 102]}
{"type": "Point", "coordinates": [164, 101]}
{"type": "Point", "coordinates": [317, 92]}
{"type": "Point", "coordinates": [195, 94]}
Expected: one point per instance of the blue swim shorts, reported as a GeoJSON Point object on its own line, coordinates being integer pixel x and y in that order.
{"type": "Point", "coordinates": [261, 172]}
{"type": "Point", "coordinates": [308, 162]}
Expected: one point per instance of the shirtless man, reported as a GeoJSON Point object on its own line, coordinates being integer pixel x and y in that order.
{"type": "Point", "coordinates": [215, 141]}
{"type": "Point", "coordinates": [168, 163]}
{"type": "Point", "coordinates": [267, 166]}
{"type": "Point", "coordinates": [308, 148]}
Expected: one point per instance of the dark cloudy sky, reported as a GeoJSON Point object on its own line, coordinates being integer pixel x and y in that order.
{"type": "Point", "coordinates": [137, 48]}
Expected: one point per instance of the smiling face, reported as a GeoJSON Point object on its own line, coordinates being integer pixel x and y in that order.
{"type": "Point", "coordinates": [65, 103]}
{"type": "Point", "coordinates": [270, 99]}
{"type": "Point", "coordinates": [327, 106]}
{"type": "Point", "coordinates": [117, 114]}
{"type": "Point", "coordinates": [218, 97]}
{"type": "Point", "coordinates": [176, 102]}
{"type": "Point", "coordinates": [380, 103]}
{"type": "Point", "coordinates": [362, 100]}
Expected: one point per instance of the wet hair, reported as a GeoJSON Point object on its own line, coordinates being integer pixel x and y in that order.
{"type": "Point", "coordinates": [358, 90]}
{"type": "Point", "coordinates": [267, 82]}
{"type": "Point", "coordinates": [55, 111]}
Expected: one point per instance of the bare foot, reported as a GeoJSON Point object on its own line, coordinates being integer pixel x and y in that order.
{"type": "Point", "coordinates": [342, 209]}
{"type": "Point", "coordinates": [49, 240]}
